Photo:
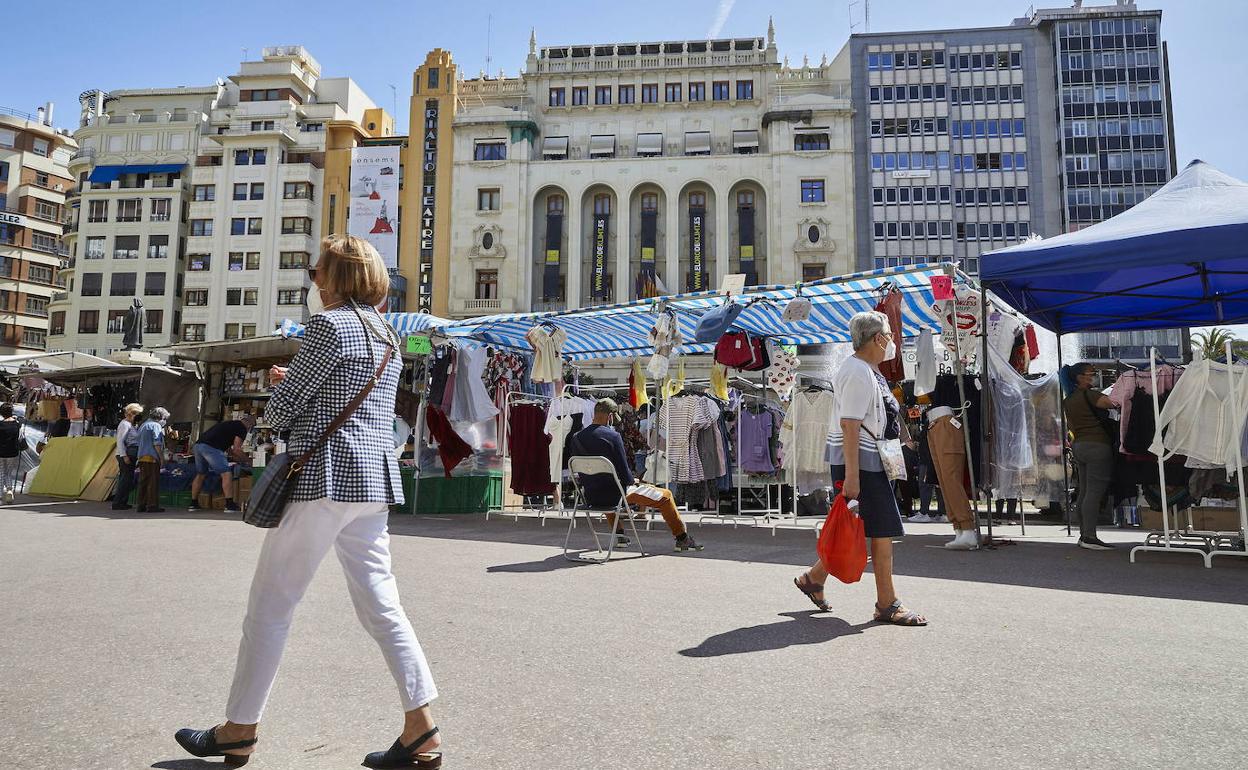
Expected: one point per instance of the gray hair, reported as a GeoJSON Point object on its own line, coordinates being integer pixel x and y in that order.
{"type": "Point", "coordinates": [865, 325]}
{"type": "Point", "coordinates": [160, 413]}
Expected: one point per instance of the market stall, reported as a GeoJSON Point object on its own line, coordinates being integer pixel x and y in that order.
{"type": "Point", "coordinates": [1177, 259]}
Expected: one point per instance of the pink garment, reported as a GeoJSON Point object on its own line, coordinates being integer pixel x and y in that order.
{"type": "Point", "coordinates": [1125, 387]}
{"type": "Point", "coordinates": [448, 395]}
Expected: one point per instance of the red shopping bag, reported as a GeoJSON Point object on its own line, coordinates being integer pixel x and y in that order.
{"type": "Point", "coordinates": [842, 544]}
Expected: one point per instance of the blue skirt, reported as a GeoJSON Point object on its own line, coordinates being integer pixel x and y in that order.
{"type": "Point", "coordinates": [877, 505]}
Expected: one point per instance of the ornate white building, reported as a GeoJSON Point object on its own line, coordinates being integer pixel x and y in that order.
{"type": "Point", "coordinates": [607, 171]}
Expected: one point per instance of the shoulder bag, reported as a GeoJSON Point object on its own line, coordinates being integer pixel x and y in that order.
{"type": "Point", "coordinates": [271, 493]}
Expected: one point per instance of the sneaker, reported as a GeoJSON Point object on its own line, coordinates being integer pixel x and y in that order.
{"type": "Point", "coordinates": [622, 542]}
{"type": "Point", "coordinates": [688, 544]}
{"type": "Point", "coordinates": [940, 519]}
{"type": "Point", "coordinates": [193, 508]}
{"type": "Point", "coordinates": [232, 507]}
{"type": "Point", "coordinates": [1096, 544]}
{"type": "Point", "coordinates": [920, 518]}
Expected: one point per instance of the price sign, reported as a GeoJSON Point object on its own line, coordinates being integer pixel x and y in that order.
{"type": "Point", "coordinates": [419, 344]}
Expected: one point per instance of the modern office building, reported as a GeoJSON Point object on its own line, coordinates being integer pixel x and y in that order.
{"type": "Point", "coordinates": [130, 227]}
{"type": "Point", "coordinates": [207, 202]}
{"type": "Point", "coordinates": [34, 185]}
{"type": "Point", "coordinates": [970, 140]}
{"type": "Point", "coordinates": [611, 171]}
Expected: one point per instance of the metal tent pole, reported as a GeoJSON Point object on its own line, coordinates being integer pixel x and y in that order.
{"type": "Point", "coordinates": [1239, 461]}
{"type": "Point", "coordinates": [1061, 446]}
{"type": "Point", "coordinates": [985, 432]}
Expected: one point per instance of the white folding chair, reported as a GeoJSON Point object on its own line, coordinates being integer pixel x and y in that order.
{"type": "Point", "coordinates": [593, 466]}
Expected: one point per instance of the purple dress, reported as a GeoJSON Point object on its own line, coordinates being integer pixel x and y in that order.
{"type": "Point", "coordinates": [754, 442]}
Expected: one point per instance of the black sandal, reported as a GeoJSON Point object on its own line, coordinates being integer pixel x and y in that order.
{"type": "Point", "coordinates": [203, 743]}
{"type": "Point", "coordinates": [810, 588]}
{"type": "Point", "coordinates": [399, 755]}
{"type": "Point", "coordinates": [898, 615]}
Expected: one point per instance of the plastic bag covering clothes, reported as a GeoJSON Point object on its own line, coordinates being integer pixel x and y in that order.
{"type": "Point", "coordinates": [1026, 434]}
{"type": "Point", "coordinates": [842, 542]}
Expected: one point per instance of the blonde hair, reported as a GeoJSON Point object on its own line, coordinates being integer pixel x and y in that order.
{"type": "Point", "coordinates": [351, 269]}
{"type": "Point", "coordinates": [133, 409]}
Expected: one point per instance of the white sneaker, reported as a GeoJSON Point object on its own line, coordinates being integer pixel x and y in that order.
{"type": "Point", "coordinates": [920, 518]}
{"type": "Point", "coordinates": [966, 540]}
{"type": "Point", "coordinates": [8, 496]}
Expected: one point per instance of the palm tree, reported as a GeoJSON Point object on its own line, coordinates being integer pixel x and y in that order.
{"type": "Point", "coordinates": [1212, 343]}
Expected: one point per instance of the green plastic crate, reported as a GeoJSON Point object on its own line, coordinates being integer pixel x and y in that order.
{"type": "Point", "coordinates": [461, 494]}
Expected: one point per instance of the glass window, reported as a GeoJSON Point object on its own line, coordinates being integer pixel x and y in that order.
{"type": "Point", "coordinates": [205, 192]}
{"type": "Point", "coordinates": [812, 191]}
{"type": "Point", "coordinates": [258, 157]}
{"type": "Point", "coordinates": [240, 191]}
{"type": "Point", "coordinates": [257, 191]}
{"type": "Point", "coordinates": [649, 93]}
{"type": "Point", "coordinates": [201, 227]}
{"type": "Point", "coordinates": [627, 94]}
{"type": "Point", "coordinates": [602, 94]}
{"type": "Point", "coordinates": [745, 89]}
{"type": "Point", "coordinates": [580, 96]}
{"type": "Point", "coordinates": [292, 260]}
{"type": "Point", "coordinates": [488, 199]}
{"type": "Point", "coordinates": [558, 97]}
{"type": "Point", "coordinates": [242, 157]}
{"type": "Point", "coordinates": [671, 92]}
{"type": "Point", "coordinates": [157, 247]}
{"type": "Point", "coordinates": [238, 226]}
{"type": "Point", "coordinates": [720, 92]}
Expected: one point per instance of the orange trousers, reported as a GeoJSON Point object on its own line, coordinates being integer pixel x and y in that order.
{"type": "Point", "coordinates": [666, 507]}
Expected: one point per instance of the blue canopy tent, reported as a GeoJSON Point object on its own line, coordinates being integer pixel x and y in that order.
{"type": "Point", "coordinates": [1177, 259]}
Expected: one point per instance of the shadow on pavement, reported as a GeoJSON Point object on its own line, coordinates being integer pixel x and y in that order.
{"type": "Point", "coordinates": [188, 764]}
{"type": "Point", "coordinates": [806, 627]}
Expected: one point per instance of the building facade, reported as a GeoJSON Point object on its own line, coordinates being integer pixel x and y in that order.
{"type": "Point", "coordinates": [34, 185]}
{"type": "Point", "coordinates": [208, 203]}
{"type": "Point", "coordinates": [609, 172]}
{"type": "Point", "coordinates": [130, 214]}
{"type": "Point", "coordinates": [987, 136]}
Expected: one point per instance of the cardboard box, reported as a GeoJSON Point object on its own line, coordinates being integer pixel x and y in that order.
{"type": "Point", "coordinates": [1202, 519]}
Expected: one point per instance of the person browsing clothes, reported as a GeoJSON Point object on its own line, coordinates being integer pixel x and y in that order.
{"type": "Point", "coordinates": [599, 439]}
{"type": "Point", "coordinates": [151, 458]}
{"type": "Point", "coordinates": [212, 455]}
{"type": "Point", "coordinates": [127, 453]}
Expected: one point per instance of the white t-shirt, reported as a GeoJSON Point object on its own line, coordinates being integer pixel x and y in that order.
{"type": "Point", "coordinates": [859, 396]}
{"type": "Point", "coordinates": [547, 353]}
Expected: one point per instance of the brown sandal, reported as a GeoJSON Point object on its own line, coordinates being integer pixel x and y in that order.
{"type": "Point", "coordinates": [810, 588]}
{"type": "Point", "coordinates": [898, 615]}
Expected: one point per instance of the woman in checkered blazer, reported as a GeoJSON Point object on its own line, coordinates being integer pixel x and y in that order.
{"type": "Point", "coordinates": [341, 500]}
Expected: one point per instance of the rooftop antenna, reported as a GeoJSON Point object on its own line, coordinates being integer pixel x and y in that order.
{"type": "Point", "coordinates": [394, 101]}
{"type": "Point", "coordinates": [244, 54]}
{"type": "Point", "coordinates": [866, 14]}
{"type": "Point", "coordinates": [489, 23]}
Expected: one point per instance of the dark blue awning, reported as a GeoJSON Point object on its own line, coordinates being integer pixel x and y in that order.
{"type": "Point", "coordinates": [104, 174]}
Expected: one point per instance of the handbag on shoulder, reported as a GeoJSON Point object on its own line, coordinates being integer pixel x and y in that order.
{"type": "Point", "coordinates": [271, 493]}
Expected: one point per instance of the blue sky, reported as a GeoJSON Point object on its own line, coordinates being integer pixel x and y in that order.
{"type": "Point", "coordinates": [143, 44]}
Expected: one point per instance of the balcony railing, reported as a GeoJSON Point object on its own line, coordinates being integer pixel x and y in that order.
{"type": "Point", "coordinates": [483, 306]}
{"type": "Point", "coordinates": [60, 296]}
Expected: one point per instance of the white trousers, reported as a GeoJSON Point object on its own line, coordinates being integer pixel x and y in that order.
{"type": "Point", "coordinates": [291, 553]}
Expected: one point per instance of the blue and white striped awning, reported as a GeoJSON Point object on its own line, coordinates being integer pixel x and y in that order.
{"type": "Point", "coordinates": [622, 331]}
{"type": "Point", "coordinates": [614, 331]}
{"type": "Point", "coordinates": [403, 323]}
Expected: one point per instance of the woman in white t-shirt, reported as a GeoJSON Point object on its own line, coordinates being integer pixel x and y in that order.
{"type": "Point", "coordinates": [866, 412]}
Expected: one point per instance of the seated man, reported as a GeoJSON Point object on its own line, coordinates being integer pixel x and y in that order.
{"type": "Point", "coordinates": [601, 440]}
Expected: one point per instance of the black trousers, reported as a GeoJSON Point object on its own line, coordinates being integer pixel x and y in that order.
{"type": "Point", "coordinates": [125, 482]}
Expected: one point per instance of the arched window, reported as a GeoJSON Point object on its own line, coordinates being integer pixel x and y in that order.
{"type": "Point", "coordinates": [697, 199]}
{"type": "Point", "coordinates": [602, 204]}
{"type": "Point", "coordinates": [554, 204]}
{"type": "Point", "coordinates": [745, 199]}
{"type": "Point", "coordinates": [649, 202]}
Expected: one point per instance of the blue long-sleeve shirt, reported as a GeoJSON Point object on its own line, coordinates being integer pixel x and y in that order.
{"type": "Point", "coordinates": [602, 441]}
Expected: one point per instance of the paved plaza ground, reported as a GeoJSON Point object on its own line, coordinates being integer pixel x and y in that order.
{"type": "Point", "coordinates": [118, 629]}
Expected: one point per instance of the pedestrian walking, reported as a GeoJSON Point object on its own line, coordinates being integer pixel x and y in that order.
{"type": "Point", "coordinates": [11, 445]}
{"type": "Point", "coordinates": [1093, 447]}
{"type": "Point", "coordinates": [151, 454]}
{"type": "Point", "coordinates": [340, 500]}
{"type": "Point", "coordinates": [866, 413]}
{"type": "Point", "coordinates": [127, 454]}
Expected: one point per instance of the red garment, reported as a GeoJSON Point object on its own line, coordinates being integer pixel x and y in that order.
{"type": "Point", "coordinates": [893, 369]}
{"type": "Point", "coordinates": [528, 445]}
{"type": "Point", "coordinates": [1033, 345]}
{"type": "Point", "coordinates": [451, 448]}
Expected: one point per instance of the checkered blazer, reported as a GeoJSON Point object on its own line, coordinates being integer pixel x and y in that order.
{"type": "Point", "coordinates": [332, 366]}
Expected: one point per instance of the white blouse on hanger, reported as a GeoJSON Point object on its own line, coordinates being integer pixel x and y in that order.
{"type": "Point", "coordinates": [547, 345]}
{"type": "Point", "coordinates": [804, 435]}
{"type": "Point", "coordinates": [1204, 416]}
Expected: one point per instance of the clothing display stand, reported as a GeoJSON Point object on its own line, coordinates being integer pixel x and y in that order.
{"type": "Point", "coordinates": [759, 494]}
{"type": "Point", "coordinates": [542, 510]}
{"type": "Point", "coordinates": [959, 369]}
{"type": "Point", "coordinates": [1177, 541]}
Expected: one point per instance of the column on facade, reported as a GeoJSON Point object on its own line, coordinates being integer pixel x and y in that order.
{"type": "Point", "coordinates": [672, 226]}
{"type": "Point", "coordinates": [723, 235]}
{"type": "Point", "coordinates": [573, 291]}
{"type": "Point", "coordinates": [623, 252]}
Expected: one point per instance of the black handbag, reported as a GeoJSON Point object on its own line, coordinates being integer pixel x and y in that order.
{"type": "Point", "coordinates": [271, 493]}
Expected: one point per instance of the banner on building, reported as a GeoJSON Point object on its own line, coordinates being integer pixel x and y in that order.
{"type": "Point", "coordinates": [599, 290]}
{"type": "Point", "coordinates": [550, 276]}
{"type": "Point", "coordinates": [697, 261]}
{"type": "Point", "coordinates": [745, 234]}
{"type": "Point", "coordinates": [428, 203]}
{"type": "Point", "coordinates": [646, 284]}
{"type": "Point", "coordinates": [375, 200]}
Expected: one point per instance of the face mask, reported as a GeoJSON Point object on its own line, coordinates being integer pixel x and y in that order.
{"type": "Point", "coordinates": [890, 351]}
{"type": "Point", "coordinates": [162, 422]}
{"type": "Point", "coordinates": [315, 305]}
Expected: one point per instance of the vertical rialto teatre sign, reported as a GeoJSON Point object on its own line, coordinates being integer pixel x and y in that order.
{"type": "Point", "coordinates": [428, 203]}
